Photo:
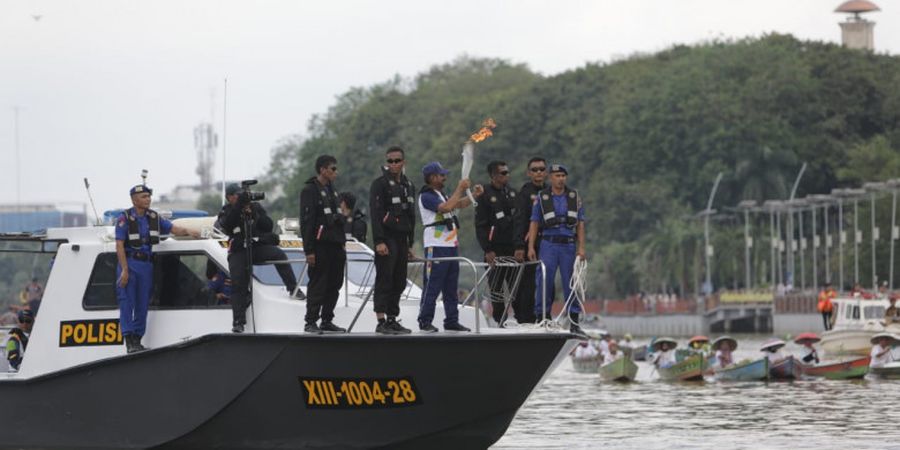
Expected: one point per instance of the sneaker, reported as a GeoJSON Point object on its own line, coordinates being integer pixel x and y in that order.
{"type": "Point", "coordinates": [428, 328]}
{"type": "Point", "coordinates": [299, 295]}
{"type": "Point", "coordinates": [392, 324]}
{"type": "Point", "coordinates": [330, 327]}
{"type": "Point", "coordinates": [386, 328]}
{"type": "Point", "coordinates": [312, 328]}
{"type": "Point", "coordinates": [576, 330]}
{"type": "Point", "coordinates": [456, 327]}
{"type": "Point", "coordinates": [237, 328]}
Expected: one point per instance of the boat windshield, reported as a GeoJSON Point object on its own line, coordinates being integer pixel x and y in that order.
{"type": "Point", "coordinates": [873, 312]}
{"type": "Point", "coordinates": [360, 270]}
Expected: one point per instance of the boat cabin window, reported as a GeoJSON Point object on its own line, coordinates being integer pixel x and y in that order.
{"type": "Point", "coordinates": [360, 269]}
{"type": "Point", "coordinates": [852, 312]}
{"type": "Point", "coordinates": [874, 312]}
{"type": "Point", "coordinates": [180, 281]}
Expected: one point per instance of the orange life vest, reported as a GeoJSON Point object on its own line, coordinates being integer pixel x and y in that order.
{"type": "Point", "coordinates": [825, 305]}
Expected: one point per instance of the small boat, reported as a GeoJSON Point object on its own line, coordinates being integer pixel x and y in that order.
{"type": "Point", "coordinates": [757, 370]}
{"type": "Point", "coordinates": [841, 370]}
{"type": "Point", "coordinates": [890, 371]}
{"type": "Point", "coordinates": [622, 369]}
{"type": "Point", "coordinates": [587, 365]}
{"type": "Point", "coordinates": [690, 368]}
{"type": "Point", "coordinates": [786, 369]}
{"type": "Point", "coordinates": [856, 321]}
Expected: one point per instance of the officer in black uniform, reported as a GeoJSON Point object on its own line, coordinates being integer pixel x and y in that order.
{"type": "Point", "coordinates": [537, 174]}
{"type": "Point", "coordinates": [264, 248]}
{"type": "Point", "coordinates": [322, 229]}
{"type": "Point", "coordinates": [494, 229]}
{"type": "Point", "coordinates": [392, 203]}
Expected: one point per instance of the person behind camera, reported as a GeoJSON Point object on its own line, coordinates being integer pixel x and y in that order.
{"type": "Point", "coordinates": [355, 228]}
{"type": "Point", "coordinates": [322, 229]}
{"type": "Point", "coordinates": [264, 248]}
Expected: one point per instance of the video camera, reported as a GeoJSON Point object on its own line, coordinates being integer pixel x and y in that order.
{"type": "Point", "coordinates": [246, 195]}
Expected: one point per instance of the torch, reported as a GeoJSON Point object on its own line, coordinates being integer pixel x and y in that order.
{"type": "Point", "coordinates": [468, 153]}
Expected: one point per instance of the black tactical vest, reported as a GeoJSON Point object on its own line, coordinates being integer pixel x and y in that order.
{"type": "Point", "coordinates": [134, 235]}
{"type": "Point", "coordinates": [548, 212]}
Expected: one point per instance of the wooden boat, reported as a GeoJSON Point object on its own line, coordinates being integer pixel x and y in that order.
{"type": "Point", "coordinates": [622, 369]}
{"type": "Point", "coordinates": [689, 369]}
{"type": "Point", "coordinates": [745, 371]}
{"type": "Point", "coordinates": [587, 365]}
{"type": "Point", "coordinates": [841, 370]}
{"type": "Point", "coordinates": [890, 371]}
{"type": "Point", "coordinates": [786, 369]}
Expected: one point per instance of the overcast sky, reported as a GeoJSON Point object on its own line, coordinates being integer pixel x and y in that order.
{"type": "Point", "coordinates": [107, 88]}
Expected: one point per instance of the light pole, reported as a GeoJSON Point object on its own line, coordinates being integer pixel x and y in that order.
{"type": "Point", "coordinates": [747, 205]}
{"type": "Point", "coordinates": [773, 206]}
{"type": "Point", "coordinates": [845, 194]}
{"type": "Point", "coordinates": [873, 189]}
{"type": "Point", "coordinates": [799, 204]}
{"type": "Point", "coordinates": [895, 233]}
{"type": "Point", "coordinates": [708, 250]}
{"type": "Point", "coordinates": [824, 200]}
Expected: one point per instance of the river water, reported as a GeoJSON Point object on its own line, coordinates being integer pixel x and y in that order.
{"type": "Point", "coordinates": [580, 411]}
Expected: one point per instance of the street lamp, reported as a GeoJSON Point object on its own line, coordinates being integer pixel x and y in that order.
{"type": "Point", "coordinates": [708, 250]}
{"type": "Point", "coordinates": [799, 204]}
{"type": "Point", "coordinates": [895, 233]}
{"type": "Point", "coordinates": [824, 200]}
{"type": "Point", "coordinates": [747, 205]}
{"type": "Point", "coordinates": [773, 206]}
{"type": "Point", "coordinates": [845, 194]}
{"type": "Point", "coordinates": [874, 188]}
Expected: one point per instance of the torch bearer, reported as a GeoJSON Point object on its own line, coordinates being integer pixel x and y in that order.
{"type": "Point", "coordinates": [468, 153]}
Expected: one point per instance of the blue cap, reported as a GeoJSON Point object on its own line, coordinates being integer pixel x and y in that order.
{"type": "Point", "coordinates": [232, 189]}
{"type": "Point", "coordinates": [558, 168]}
{"type": "Point", "coordinates": [139, 189]}
{"type": "Point", "coordinates": [26, 316]}
{"type": "Point", "coordinates": [434, 168]}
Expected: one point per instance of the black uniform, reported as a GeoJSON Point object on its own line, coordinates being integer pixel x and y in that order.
{"type": "Point", "coordinates": [322, 230]}
{"type": "Point", "coordinates": [524, 303]}
{"type": "Point", "coordinates": [355, 227]}
{"type": "Point", "coordinates": [264, 248]}
{"type": "Point", "coordinates": [392, 205]}
{"type": "Point", "coordinates": [494, 229]}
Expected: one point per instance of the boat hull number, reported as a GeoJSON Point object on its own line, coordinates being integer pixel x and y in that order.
{"type": "Point", "coordinates": [359, 393]}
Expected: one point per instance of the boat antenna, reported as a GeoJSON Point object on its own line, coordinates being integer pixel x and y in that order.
{"type": "Point", "coordinates": [224, 136]}
{"type": "Point", "coordinates": [87, 187]}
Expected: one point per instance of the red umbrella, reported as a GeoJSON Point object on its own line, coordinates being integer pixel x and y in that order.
{"type": "Point", "coordinates": [811, 337]}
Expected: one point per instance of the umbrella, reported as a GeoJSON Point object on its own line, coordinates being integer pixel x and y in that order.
{"type": "Point", "coordinates": [773, 344]}
{"type": "Point", "coordinates": [810, 337]}
{"type": "Point", "coordinates": [721, 339]}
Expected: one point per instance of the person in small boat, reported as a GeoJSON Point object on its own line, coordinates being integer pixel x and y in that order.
{"type": "Point", "coordinates": [699, 344]}
{"type": "Point", "coordinates": [603, 344]}
{"type": "Point", "coordinates": [18, 340]}
{"type": "Point", "coordinates": [613, 353]}
{"type": "Point", "coordinates": [665, 354]}
{"type": "Point", "coordinates": [137, 231]}
{"type": "Point", "coordinates": [724, 346]}
{"type": "Point", "coordinates": [810, 355]}
{"type": "Point", "coordinates": [881, 351]}
{"type": "Point", "coordinates": [585, 351]}
{"type": "Point", "coordinates": [772, 350]}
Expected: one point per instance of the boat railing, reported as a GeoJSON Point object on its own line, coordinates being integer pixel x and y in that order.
{"type": "Point", "coordinates": [505, 289]}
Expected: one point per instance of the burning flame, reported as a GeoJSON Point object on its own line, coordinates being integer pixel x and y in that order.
{"type": "Point", "coordinates": [485, 132]}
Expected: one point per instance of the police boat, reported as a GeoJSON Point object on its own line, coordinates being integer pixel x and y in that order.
{"type": "Point", "coordinates": [201, 386]}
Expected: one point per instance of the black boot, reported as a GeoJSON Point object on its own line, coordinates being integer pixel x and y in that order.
{"type": "Point", "coordinates": [131, 345]}
{"type": "Point", "coordinates": [574, 328]}
{"type": "Point", "coordinates": [137, 343]}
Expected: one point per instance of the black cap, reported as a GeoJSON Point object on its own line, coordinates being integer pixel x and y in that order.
{"type": "Point", "coordinates": [232, 189]}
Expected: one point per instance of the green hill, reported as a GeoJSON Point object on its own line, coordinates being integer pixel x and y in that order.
{"type": "Point", "coordinates": [644, 138]}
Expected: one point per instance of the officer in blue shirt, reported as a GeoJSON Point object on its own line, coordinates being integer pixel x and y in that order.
{"type": "Point", "coordinates": [138, 229]}
{"type": "Point", "coordinates": [558, 212]}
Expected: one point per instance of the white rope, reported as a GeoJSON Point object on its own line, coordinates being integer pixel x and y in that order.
{"type": "Point", "coordinates": [577, 285]}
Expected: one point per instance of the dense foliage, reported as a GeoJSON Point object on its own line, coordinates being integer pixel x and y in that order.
{"type": "Point", "coordinates": [644, 138]}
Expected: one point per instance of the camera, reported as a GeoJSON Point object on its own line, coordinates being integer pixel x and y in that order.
{"type": "Point", "coordinates": [247, 196]}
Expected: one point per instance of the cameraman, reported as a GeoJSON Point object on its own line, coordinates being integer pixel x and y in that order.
{"type": "Point", "coordinates": [265, 248]}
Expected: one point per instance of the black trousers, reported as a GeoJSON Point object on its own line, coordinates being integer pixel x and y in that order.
{"type": "Point", "coordinates": [325, 281]}
{"type": "Point", "coordinates": [390, 276]}
{"type": "Point", "coordinates": [826, 318]}
{"type": "Point", "coordinates": [497, 277]}
{"type": "Point", "coordinates": [240, 278]}
{"type": "Point", "coordinates": [523, 305]}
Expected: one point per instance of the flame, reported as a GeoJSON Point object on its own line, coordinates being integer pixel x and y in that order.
{"type": "Point", "coordinates": [485, 132]}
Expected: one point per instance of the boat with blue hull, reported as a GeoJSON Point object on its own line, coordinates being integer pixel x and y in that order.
{"type": "Point", "coordinates": [757, 370]}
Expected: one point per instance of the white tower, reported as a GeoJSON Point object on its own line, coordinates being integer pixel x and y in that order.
{"type": "Point", "coordinates": [857, 32]}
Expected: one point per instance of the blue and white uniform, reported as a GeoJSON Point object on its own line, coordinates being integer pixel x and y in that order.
{"type": "Point", "coordinates": [440, 240]}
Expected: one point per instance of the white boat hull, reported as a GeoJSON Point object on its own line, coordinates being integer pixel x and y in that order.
{"type": "Point", "coordinates": [838, 343]}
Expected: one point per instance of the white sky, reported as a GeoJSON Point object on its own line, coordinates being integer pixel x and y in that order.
{"type": "Point", "coordinates": [107, 88]}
